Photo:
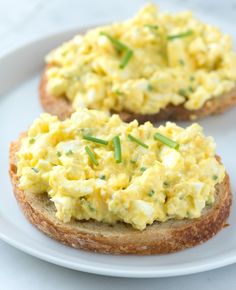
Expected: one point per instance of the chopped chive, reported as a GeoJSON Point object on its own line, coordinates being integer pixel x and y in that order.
{"type": "Point", "coordinates": [69, 152]}
{"type": "Point", "coordinates": [142, 169]}
{"type": "Point", "coordinates": [85, 131]}
{"type": "Point", "coordinates": [126, 58]}
{"type": "Point", "coordinates": [191, 89]}
{"type": "Point", "coordinates": [58, 154]}
{"type": "Point", "coordinates": [35, 170]}
{"type": "Point", "coordinates": [180, 35]}
{"type": "Point", "coordinates": [188, 214]}
{"type": "Point", "coordinates": [192, 78]}
{"type": "Point", "coordinates": [151, 26]}
{"type": "Point", "coordinates": [215, 177]}
{"type": "Point", "coordinates": [95, 140]}
{"type": "Point", "coordinates": [139, 142]}
{"type": "Point", "coordinates": [165, 140]}
{"type": "Point", "coordinates": [118, 92]}
{"type": "Point", "coordinates": [182, 92]}
{"type": "Point", "coordinates": [181, 61]}
{"type": "Point", "coordinates": [91, 155]}
{"type": "Point", "coordinates": [117, 149]}
{"type": "Point", "coordinates": [165, 183]}
{"type": "Point", "coordinates": [120, 47]}
{"type": "Point", "coordinates": [90, 206]}
{"type": "Point", "coordinates": [133, 161]}
{"type": "Point", "coordinates": [208, 202]}
{"type": "Point", "coordinates": [103, 177]}
{"type": "Point", "coordinates": [151, 193]}
{"type": "Point", "coordinates": [31, 140]}
{"type": "Point", "coordinates": [149, 87]}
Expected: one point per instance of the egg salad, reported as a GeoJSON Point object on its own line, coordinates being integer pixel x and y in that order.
{"type": "Point", "coordinates": [144, 64]}
{"type": "Point", "coordinates": [93, 166]}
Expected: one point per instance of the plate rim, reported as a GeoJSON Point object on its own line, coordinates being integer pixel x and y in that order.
{"type": "Point", "coordinates": [187, 270]}
{"type": "Point", "coordinates": [210, 264]}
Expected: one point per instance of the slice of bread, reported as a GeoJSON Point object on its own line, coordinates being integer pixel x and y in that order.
{"type": "Point", "coordinates": [61, 107]}
{"type": "Point", "coordinates": [158, 238]}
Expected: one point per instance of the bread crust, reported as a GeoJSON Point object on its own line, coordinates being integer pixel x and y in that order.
{"type": "Point", "coordinates": [158, 238]}
{"type": "Point", "coordinates": [61, 107]}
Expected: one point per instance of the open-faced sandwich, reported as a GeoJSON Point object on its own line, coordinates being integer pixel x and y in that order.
{"type": "Point", "coordinates": [96, 183]}
{"type": "Point", "coordinates": [155, 66]}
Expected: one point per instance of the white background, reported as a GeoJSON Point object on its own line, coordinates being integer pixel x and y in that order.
{"type": "Point", "coordinates": [24, 20]}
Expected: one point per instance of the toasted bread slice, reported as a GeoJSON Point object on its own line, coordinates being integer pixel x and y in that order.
{"type": "Point", "coordinates": [61, 107]}
{"type": "Point", "coordinates": [158, 238]}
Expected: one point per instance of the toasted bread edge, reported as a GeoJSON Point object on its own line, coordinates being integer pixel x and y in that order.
{"type": "Point", "coordinates": [61, 107]}
{"type": "Point", "coordinates": [158, 238]}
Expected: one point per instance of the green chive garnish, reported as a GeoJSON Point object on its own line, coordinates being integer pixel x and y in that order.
{"type": "Point", "coordinates": [70, 152]}
{"type": "Point", "coordinates": [35, 170]}
{"type": "Point", "coordinates": [117, 92]}
{"type": "Point", "coordinates": [103, 177]}
{"type": "Point", "coordinates": [182, 92]}
{"type": "Point", "coordinates": [120, 47]}
{"type": "Point", "coordinates": [184, 34]}
{"type": "Point", "coordinates": [117, 148]}
{"type": "Point", "coordinates": [95, 140]}
{"type": "Point", "coordinates": [149, 87]}
{"type": "Point", "coordinates": [58, 154]}
{"type": "Point", "coordinates": [191, 89]}
{"type": "Point", "coordinates": [91, 155]}
{"type": "Point", "coordinates": [31, 140]}
{"type": "Point", "coordinates": [165, 140]}
{"type": "Point", "coordinates": [165, 183]}
{"type": "Point", "coordinates": [126, 58]}
{"type": "Point", "coordinates": [215, 177]}
{"type": "Point", "coordinates": [138, 141]}
{"type": "Point", "coordinates": [142, 169]}
{"type": "Point", "coordinates": [154, 27]}
{"type": "Point", "coordinates": [151, 193]}
{"type": "Point", "coordinates": [90, 206]}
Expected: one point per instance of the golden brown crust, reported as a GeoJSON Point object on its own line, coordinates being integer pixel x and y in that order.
{"type": "Point", "coordinates": [61, 107]}
{"type": "Point", "coordinates": [159, 238]}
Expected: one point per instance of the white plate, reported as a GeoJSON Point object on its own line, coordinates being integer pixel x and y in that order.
{"type": "Point", "coordinates": [19, 105]}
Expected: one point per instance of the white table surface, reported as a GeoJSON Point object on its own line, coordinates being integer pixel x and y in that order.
{"type": "Point", "coordinates": [24, 20]}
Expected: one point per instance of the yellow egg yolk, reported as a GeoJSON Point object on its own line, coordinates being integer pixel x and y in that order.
{"type": "Point", "coordinates": [144, 64]}
{"type": "Point", "coordinates": [152, 180]}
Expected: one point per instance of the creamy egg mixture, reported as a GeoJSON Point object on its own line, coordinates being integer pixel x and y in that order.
{"type": "Point", "coordinates": [97, 167]}
{"type": "Point", "coordinates": [144, 64]}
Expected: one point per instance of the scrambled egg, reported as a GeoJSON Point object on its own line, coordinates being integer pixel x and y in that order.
{"type": "Point", "coordinates": [151, 180]}
{"type": "Point", "coordinates": [144, 64]}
